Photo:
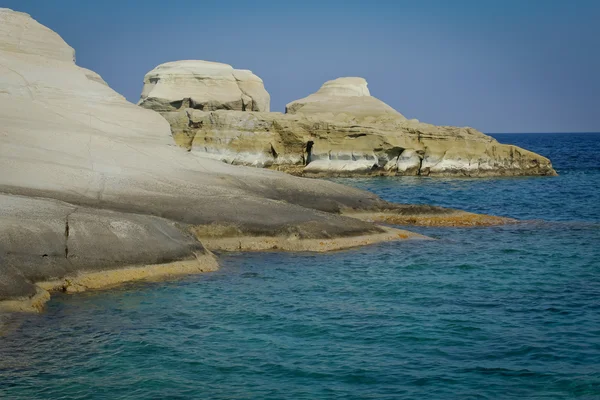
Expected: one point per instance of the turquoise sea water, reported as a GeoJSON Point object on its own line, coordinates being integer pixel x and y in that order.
{"type": "Point", "coordinates": [486, 313]}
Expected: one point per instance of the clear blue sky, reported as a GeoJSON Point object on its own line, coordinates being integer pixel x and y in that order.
{"type": "Point", "coordinates": [499, 66]}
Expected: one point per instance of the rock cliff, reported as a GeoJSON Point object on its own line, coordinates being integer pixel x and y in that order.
{"type": "Point", "coordinates": [343, 130]}
{"type": "Point", "coordinates": [93, 190]}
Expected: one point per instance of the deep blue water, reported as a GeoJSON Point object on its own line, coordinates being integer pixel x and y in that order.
{"type": "Point", "coordinates": [486, 313]}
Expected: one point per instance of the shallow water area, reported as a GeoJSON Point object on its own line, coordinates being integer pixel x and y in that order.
{"type": "Point", "coordinates": [481, 313]}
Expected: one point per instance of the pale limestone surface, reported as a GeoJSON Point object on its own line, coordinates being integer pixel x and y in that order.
{"type": "Point", "coordinates": [344, 146]}
{"type": "Point", "coordinates": [349, 132]}
{"type": "Point", "coordinates": [348, 96]}
{"type": "Point", "coordinates": [93, 76]}
{"type": "Point", "coordinates": [203, 85]}
{"type": "Point", "coordinates": [90, 182]}
{"type": "Point", "coordinates": [21, 34]}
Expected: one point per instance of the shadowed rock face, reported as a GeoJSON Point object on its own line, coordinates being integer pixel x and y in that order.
{"type": "Point", "coordinates": [43, 239]}
{"type": "Point", "coordinates": [352, 133]}
{"type": "Point", "coordinates": [203, 85]}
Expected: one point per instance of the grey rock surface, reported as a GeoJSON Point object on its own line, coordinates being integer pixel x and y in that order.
{"type": "Point", "coordinates": [45, 239]}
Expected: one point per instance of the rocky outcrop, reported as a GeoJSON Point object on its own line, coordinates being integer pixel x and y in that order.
{"type": "Point", "coordinates": [349, 97]}
{"type": "Point", "coordinates": [93, 190]}
{"type": "Point", "coordinates": [343, 130]}
{"type": "Point", "coordinates": [203, 85]}
{"type": "Point", "coordinates": [310, 145]}
{"type": "Point", "coordinates": [43, 239]}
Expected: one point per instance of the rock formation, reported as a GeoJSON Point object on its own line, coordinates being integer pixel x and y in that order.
{"type": "Point", "coordinates": [349, 96]}
{"type": "Point", "coordinates": [203, 85]}
{"type": "Point", "coordinates": [343, 130]}
{"type": "Point", "coordinates": [93, 191]}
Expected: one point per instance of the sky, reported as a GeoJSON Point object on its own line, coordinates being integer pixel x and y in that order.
{"type": "Point", "coordinates": [497, 65]}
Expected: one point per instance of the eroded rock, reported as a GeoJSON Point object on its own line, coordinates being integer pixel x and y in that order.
{"type": "Point", "coordinates": [340, 146]}
{"type": "Point", "coordinates": [203, 85]}
{"type": "Point", "coordinates": [343, 130]}
{"type": "Point", "coordinates": [90, 182]}
{"type": "Point", "coordinates": [346, 97]}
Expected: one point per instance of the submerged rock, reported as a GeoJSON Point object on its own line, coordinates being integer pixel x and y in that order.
{"type": "Point", "coordinates": [343, 130]}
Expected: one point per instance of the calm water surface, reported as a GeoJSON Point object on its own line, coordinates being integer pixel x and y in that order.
{"type": "Point", "coordinates": [487, 313]}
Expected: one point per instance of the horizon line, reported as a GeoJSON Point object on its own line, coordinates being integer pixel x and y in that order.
{"type": "Point", "coordinates": [542, 133]}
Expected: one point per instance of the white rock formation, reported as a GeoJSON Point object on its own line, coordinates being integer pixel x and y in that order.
{"type": "Point", "coordinates": [89, 181]}
{"type": "Point", "coordinates": [21, 34]}
{"type": "Point", "coordinates": [349, 96]}
{"type": "Point", "coordinates": [342, 130]}
{"type": "Point", "coordinates": [203, 85]}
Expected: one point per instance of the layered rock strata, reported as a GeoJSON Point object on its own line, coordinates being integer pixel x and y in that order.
{"type": "Point", "coordinates": [93, 190]}
{"type": "Point", "coordinates": [349, 97]}
{"type": "Point", "coordinates": [203, 85]}
{"type": "Point", "coordinates": [343, 130]}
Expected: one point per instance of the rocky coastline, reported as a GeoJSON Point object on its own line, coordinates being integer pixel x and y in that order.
{"type": "Point", "coordinates": [95, 191]}
{"type": "Point", "coordinates": [341, 130]}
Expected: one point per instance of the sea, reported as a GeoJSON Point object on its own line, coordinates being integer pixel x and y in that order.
{"type": "Point", "coordinates": [507, 312]}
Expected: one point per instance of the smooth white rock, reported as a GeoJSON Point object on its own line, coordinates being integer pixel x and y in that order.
{"type": "Point", "coordinates": [72, 138]}
{"type": "Point", "coordinates": [340, 166]}
{"type": "Point", "coordinates": [208, 85]}
{"type": "Point", "coordinates": [346, 98]}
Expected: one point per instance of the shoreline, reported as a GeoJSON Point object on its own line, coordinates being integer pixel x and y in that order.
{"type": "Point", "coordinates": [298, 170]}
{"type": "Point", "coordinates": [98, 280]}
{"type": "Point", "coordinates": [457, 219]}
{"type": "Point", "coordinates": [202, 263]}
{"type": "Point", "coordinates": [293, 244]}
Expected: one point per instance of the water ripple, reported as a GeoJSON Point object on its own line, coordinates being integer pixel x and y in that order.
{"type": "Point", "coordinates": [488, 313]}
